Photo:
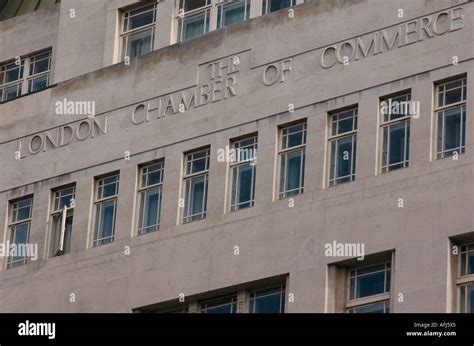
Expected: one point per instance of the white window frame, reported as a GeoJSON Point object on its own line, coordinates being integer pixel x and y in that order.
{"type": "Point", "coordinates": [335, 139]}
{"type": "Point", "coordinates": [387, 124]}
{"type": "Point", "coordinates": [443, 109]}
{"type": "Point", "coordinates": [239, 162]}
{"type": "Point", "coordinates": [125, 34]}
{"type": "Point", "coordinates": [99, 202]}
{"type": "Point", "coordinates": [463, 281]}
{"type": "Point", "coordinates": [143, 188]}
{"type": "Point", "coordinates": [24, 81]}
{"type": "Point", "coordinates": [223, 4]}
{"type": "Point", "coordinates": [352, 304]}
{"type": "Point", "coordinates": [266, 6]}
{"type": "Point", "coordinates": [15, 223]}
{"type": "Point", "coordinates": [65, 212]}
{"type": "Point", "coordinates": [188, 178]}
{"type": "Point", "coordinates": [285, 152]}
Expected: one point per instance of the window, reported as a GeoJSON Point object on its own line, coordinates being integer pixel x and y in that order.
{"type": "Point", "coordinates": [369, 289]}
{"type": "Point", "coordinates": [466, 279]}
{"type": "Point", "coordinates": [62, 216]}
{"type": "Point", "coordinates": [106, 209]}
{"type": "Point", "coordinates": [138, 31]}
{"type": "Point", "coordinates": [270, 300]}
{"type": "Point", "coordinates": [342, 146]}
{"type": "Point", "coordinates": [25, 75]}
{"type": "Point", "coordinates": [450, 113]}
{"type": "Point", "coordinates": [292, 159]}
{"type": "Point", "coordinates": [232, 12]}
{"type": "Point", "coordinates": [243, 168]}
{"type": "Point", "coordinates": [195, 182]}
{"type": "Point", "coordinates": [276, 5]}
{"type": "Point", "coordinates": [395, 119]}
{"type": "Point", "coordinates": [222, 305]}
{"type": "Point", "coordinates": [20, 224]}
{"type": "Point", "coordinates": [194, 18]}
{"type": "Point", "coordinates": [150, 191]}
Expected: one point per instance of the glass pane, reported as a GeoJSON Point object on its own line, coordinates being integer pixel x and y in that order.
{"type": "Point", "coordinates": [243, 186]}
{"type": "Point", "coordinates": [470, 298]}
{"type": "Point", "coordinates": [269, 301]}
{"type": "Point", "coordinates": [22, 210]}
{"type": "Point", "coordinates": [190, 5]}
{"type": "Point", "coordinates": [294, 172]}
{"type": "Point", "coordinates": [40, 66]}
{"type": "Point", "coordinates": [370, 284]}
{"type": "Point", "coordinates": [19, 236]}
{"type": "Point", "coordinates": [12, 92]}
{"type": "Point", "coordinates": [453, 96]}
{"type": "Point", "coordinates": [152, 174]}
{"type": "Point", "coordinates": [150, 211]}
{"type": "Point", "coordinates": [13, 72]}
{"type": "Point", "coordinates": [196, 198]}
{"type": "Point", "coordinates": [223, 305]}
{"type": "Point", "coordinates": [233, 13]}
{"type": "Point", "coordinates": [344, 158]}
{"type": "Point", "coordinates": [38, 83]}
{"type": "Point", "coordinates": [197, 162]}
{"type": "Point", "coordinates": [397, 143]}
{"type": "Point", "coordinates": [139, 43]}
{"type": "Point", "coordinates": [195, 25]}
{"type": "Point", "coordinates": [67, 235]}
{"type": "Point", "coordinates": [452, 129]}
{"type": "Point", "coordinates": [105, 222]}
{"type": "Point", "coordinates": [275, 5]}
{"type": "Point", "coordinates": [140, 18]}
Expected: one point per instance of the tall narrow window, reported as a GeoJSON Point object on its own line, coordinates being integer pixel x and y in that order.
{"type": "Point", "coordinates": [342, 146]}
{"type": "Point", "coordinates": [138, 31]}
{"type": "Point", "coordinates": [466, 279]}
{"type": "Point", "coordinates": [151, 184]}
{"type": "Point", "coordinates": [195, 182]}
{"type": "Point", "coordinates": [268, 300]}
{"type": "Point", "coordinates": [20, 224]}
{"type": "Point", "coordinates": [25, 75]}
{"type": "Point", "coordinates": [194, 18]}
{"type": "Point", "coordinates": [451, 117]}
{"type": "Point", "coordinates": [292, 159]}
{"type": "Point", "coordinates": [62, 217]}
{"type": "Point", "coordinates": [243, 169]}
{"type": "Point", "coordinates": [106, 209]}
{"type": "Point", "coordinates": [276, 5]}
{"type": "Point", "coordinates": [232, 12]}
{"type": "Point", "coordinates": [395, 124]}
{"type": "Point", "coordinates": [369, 289]}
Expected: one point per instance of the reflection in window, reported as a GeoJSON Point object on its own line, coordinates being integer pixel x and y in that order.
{"type": "Point", "coordinates": [62, 217]}
{"type": "Point", "coordinates": [276, 5]}
{"type": "Point", "coordinates": [223, 305]}
{"type": "Point", "coordinates": [270, 300]}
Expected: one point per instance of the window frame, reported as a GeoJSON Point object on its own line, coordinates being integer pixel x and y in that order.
{"type": "Point", "coordinates": [126, 34]}
{"type": "Point", "coordinates": [438, 110]}
{"type": "Point", "coordinates": [99, 202]}
{"type": "Point", "coordinates": [25, 77]}
{"type": "Point", "coordinates": [387, 124]}
{"type": "Point", "coordinates": [13, 224]}
{"type": "Point", "coordinates": [284, 152]}
{"type": "Point", "coordinates": [143, 189]}
{"type": "Point", "coordinates": [224, 3]}
{"type": "Point", "coordinates": [266, 7]}
{"type": "Point", "coordinates": [188, 178]}
{"type": "Point", "coordinates": [65, 213]}
{"type": "Point", "coordinates": [351, 304]}
{"type": "Point", "coordinates": [236, 165]}
{"type": "Point", "coordinates": [352, 134]}
{"type": "Point", "coordinates": [463, 281]}
{"type": "Point", "coordinates": [182, 15]}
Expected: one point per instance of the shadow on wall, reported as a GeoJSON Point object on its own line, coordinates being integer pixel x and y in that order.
{"type": "Point", "coordinates": [15, 8]}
